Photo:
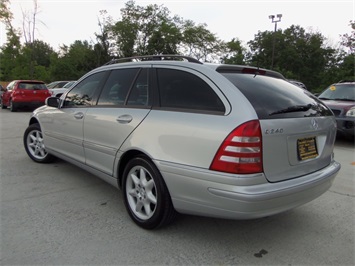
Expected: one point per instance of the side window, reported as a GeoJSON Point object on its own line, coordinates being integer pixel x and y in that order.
{"type": "Point", "coordinates": [117, 86]}
{"type": "Point", "coordinates": [139, 94]}
{"type": "Point", "coordinates": [83, 92]}
{"type": "Point", "coordinates": [183, 90]}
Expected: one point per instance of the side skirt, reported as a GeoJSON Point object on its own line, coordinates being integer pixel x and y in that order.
{"type": "Point", "coordinates": [107, 178]}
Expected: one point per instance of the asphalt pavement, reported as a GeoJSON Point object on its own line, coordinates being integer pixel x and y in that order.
{"type": "Point", "coordinates": [58, 214]}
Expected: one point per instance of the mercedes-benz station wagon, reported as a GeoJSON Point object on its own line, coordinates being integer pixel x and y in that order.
{"type": "Point", "coordinates": [180, 136]}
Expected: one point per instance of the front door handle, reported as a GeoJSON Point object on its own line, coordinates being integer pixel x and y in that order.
{"type": "Point", "coordinates": [125, 119]}
{"type": "Point", "coordinates": [79, 115]}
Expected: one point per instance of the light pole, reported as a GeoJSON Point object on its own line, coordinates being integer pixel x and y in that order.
{"type": "Point", "coordinates": [274, 20]}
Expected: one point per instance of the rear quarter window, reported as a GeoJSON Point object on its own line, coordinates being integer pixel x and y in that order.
{"type": "Point", "coordinates": [268, 95]}
{"type": "Point", "coordinates": [185, 91]}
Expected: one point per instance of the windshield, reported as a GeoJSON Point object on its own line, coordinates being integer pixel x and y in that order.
{"type": "Point", "coordinates": [69, 84]}
{"type": "Point", "coordinates": [339, 92]}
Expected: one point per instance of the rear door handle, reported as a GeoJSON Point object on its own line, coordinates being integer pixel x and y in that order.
{"type": "Point", "coordinates": [79, 115]}
{"type": "Point", "coordinates": [125, 119]}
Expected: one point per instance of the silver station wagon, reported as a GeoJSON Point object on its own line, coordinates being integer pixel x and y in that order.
{"type": "Point", "coordinates": [180, 136]}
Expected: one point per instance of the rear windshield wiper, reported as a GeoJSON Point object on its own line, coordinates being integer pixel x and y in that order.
{"type": "Point", "coordinates": [291, 109]}
{"type": "Point", "coordinates": [337, 99]}
{"type": "Point", "coordinates": [343, 99]}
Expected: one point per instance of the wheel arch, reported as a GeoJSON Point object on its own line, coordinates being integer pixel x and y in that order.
{"type": "Point", "coordinates": [33, 120]}
{"type": "Point", "coordinates": [124, 159]}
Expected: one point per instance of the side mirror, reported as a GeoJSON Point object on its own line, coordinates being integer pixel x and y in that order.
{"type": "Point", "coordinates": [52, 102]}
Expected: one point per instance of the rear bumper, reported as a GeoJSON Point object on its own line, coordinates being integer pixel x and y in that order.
{"type": "Point", "coordinates": [194, 192]}
{"type": "Point", "coordinates": [23, 104]}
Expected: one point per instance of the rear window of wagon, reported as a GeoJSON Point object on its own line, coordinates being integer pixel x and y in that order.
{"type": "Point", "coordinates": [269, 95]}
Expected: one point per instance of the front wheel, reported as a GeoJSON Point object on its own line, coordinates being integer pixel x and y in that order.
{"type": "Point", "coordinates": [13, 107]}
{"type": "Point", "coordinates": [34, 146]}
{"type": "Point", "coordinates": [146, 196]}
{"type": "Point", "coordinates": [2, 105]}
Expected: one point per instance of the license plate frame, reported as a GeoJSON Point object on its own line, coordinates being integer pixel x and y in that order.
{"type": "Point", "coordinates": [307, 148]}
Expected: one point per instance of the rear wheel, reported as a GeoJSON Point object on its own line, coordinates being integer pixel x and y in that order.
{"type": "Point", "coordinates": [146, 196]}
{"type": "Point", "coordinates": [34, 146]}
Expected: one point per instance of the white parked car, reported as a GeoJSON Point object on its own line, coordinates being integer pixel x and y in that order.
{"type": "Point", "coordinates": [58, 91]}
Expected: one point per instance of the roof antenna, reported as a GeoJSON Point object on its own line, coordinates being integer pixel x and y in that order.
{"type": "Point", "coordinates": [257, 65]}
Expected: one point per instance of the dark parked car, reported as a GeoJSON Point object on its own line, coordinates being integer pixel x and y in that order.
{"type": "Point", "coordinates": [298, 83]}
{"type": "Point", "coordinates": [24, 93]}
{"type": "Point", "coordinates": [340, 97]}
{"type": "Point", "coordinates": [226, 141]}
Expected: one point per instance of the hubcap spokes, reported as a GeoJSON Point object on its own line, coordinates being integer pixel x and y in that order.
{"type": "Point", "coordinates": [35, 145]}
{"type": "Point", "coordinates": [141, 192]}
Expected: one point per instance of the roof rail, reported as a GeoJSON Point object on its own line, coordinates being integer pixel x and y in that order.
{"type": "Point", "coordinates": [154, 58]}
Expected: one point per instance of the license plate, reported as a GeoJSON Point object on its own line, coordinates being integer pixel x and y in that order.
{"type": "Point", "coordinates": [307, 148]}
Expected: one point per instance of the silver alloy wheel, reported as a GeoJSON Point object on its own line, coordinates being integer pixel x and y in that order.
{"type": "Point", "coordinates": [35, 144]}
{"type": "Point", "coordinates": [141, 192]}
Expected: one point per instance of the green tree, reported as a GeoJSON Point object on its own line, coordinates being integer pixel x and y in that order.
{"type": "Point", "coordinates": [234, 53]}
{"type": "Point", "coordinates": [32, 62]}
{"type": "Point", "coordinates": [200, 43]}
{"type": "Point", "coordinates": [260, 49]}
{"type": "Point", "coordinates": [348, 40]}
{"type": "Point", "coordinates": [29, 27]}
{"type": "Point", "coordinates": [73, 61]}
{"type": "Point", "coordinates": [153, 30]}
{"type": "Point", "coordinates": [11, 49]}
{"type": "Point", "coordinates": [145, 30]}
{"type": "Point", "coordinates": [103, 46]}
{"type": "Point", "coordinates": [299, 54]}
{"type": "Point", "coordinates": [61, 68]}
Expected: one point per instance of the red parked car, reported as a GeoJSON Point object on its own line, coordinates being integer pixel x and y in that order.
{"type": "Point", "coordinates": [24, 93]}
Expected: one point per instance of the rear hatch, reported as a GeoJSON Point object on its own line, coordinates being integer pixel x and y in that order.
{"type": "Point", "coordinates": [33, 91]}
{"type": "Point", "coordinates": [298, 130]}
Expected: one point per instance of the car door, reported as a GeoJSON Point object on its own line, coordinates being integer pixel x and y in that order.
{"type": "Point", "coordinates": [123, 104]}
{"type": "Point", "coordinates": [63, 128]}
{"type": "Point", "coordinates": [179, 127]}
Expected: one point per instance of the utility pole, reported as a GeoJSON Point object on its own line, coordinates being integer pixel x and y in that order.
{"type": "Point", "coordinates": [274, 19]}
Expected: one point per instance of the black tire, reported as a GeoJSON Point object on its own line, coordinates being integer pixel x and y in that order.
{"type": "Point", "coordinates": [145, 194]}
{"type": "Point", "coordinates": [13, 107]}
{"type": "Point", "coordinates": [34, 146]}
{"type": "Point", "coordinates": [3, 106]}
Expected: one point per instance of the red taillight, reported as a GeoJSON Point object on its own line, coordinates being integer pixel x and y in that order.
{"type": "Point", "coordinates": [241, 151]}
